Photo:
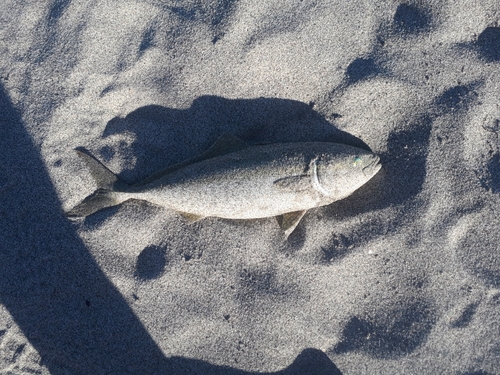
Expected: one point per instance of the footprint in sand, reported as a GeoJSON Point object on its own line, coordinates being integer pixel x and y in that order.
{"type": "Point", "coordinates": [477, 245]}
{"type": "Point", "coordinates": [151, 263]}
{"type": "Point", "coordinates": [410, 19]}
{"type": "Point", "coordinates": [393, 334]}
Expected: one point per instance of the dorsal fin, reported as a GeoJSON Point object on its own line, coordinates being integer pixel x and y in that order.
{"type": "Point", "coordinates": [226, 144]}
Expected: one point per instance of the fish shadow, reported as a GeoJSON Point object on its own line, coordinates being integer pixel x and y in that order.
{"type": "Point", "coordinates": [165, 136]}
{"type": "Point", "coordinates": [64, 304]}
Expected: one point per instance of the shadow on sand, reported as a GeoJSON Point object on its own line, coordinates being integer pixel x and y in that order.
{"type": "Point", "coordinates": [57, 294]}
{"type": "Point", "coordinates": [165, 136]}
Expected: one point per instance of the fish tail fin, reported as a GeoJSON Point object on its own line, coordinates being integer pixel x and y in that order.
{"type": "Point", "coordinates": [104, 178]}
{"type": "Point", "coordinates": [98, 200]}
{"type": "Point", "coordinates": [108, 188]}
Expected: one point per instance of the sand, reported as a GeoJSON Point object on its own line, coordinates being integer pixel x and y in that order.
{"type": "Point", "coordinates": [402, 277]}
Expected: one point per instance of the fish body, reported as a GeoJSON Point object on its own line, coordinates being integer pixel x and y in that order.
{"type": "Point", "coordinates": [247, 182]}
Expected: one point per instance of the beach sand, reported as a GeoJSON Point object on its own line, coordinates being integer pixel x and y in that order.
{"type": "Point", "coordinates": [402, 277]}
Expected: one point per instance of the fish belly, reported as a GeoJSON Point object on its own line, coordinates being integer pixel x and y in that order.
{"type": "Point", "coordinates": [232, 199]}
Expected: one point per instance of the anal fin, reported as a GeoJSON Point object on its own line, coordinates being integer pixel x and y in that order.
{"type": "Point", "coordinates": [191, 218]}
{"type": "Point", "coordinates": [289, 221]}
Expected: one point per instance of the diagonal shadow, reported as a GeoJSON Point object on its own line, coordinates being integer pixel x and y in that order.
{"type": "Point", "coordinates": [69, 311]}
{"type": "Point", "coordinates": [67, 308]}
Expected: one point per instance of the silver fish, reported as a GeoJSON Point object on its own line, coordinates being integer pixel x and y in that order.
{"type": "Point", "coordinates": [235, 181]}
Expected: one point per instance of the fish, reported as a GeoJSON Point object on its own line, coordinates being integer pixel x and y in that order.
{"type": "Point", "coordinates": [233, 180]}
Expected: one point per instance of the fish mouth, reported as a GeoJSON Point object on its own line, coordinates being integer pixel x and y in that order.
{"type": "Point", "coordinates": [371, 169]}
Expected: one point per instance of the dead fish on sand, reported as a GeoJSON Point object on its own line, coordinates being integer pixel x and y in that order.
{"type": "Point", "coordinates": [235, 181]}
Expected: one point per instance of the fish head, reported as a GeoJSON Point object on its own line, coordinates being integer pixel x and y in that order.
{"type": "Point", "coordinates": [345, 169]}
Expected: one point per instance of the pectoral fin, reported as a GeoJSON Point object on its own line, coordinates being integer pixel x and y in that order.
{"type": "Point", "coordinates": [289, 221]}
{"type": "Point", "coordinates": [191, 218]}
{"type": "Point", "coordinates": [294, 183]}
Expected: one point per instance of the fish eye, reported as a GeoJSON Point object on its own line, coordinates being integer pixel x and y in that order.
{"type": "Point", "coordinates": [357, 160]}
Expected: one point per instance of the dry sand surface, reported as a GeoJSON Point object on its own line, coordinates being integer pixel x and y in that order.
{"type": "Point", "coordinates": [402, 277]}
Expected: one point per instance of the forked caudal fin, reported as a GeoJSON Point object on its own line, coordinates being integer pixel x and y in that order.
{"type": "Point", "coordinates": [107, 185]}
